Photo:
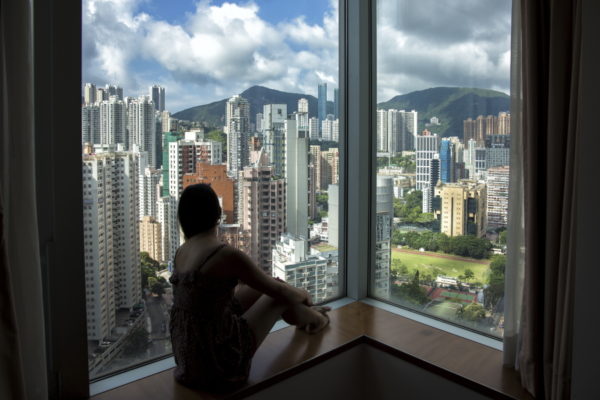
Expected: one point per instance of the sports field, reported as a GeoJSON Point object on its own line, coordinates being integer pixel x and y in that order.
{"type": "Point", "coordinates": [439, 264]}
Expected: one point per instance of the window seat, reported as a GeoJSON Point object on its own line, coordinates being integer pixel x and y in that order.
{"type": "Point", "coordinates": [288, 350]}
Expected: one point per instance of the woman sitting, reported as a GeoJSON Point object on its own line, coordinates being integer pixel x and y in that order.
{"type": "Point", "coordinates": [223, 304]}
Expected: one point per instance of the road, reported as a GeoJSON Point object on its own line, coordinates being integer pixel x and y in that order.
{"type": "Point", "coordinates": [158, 314]}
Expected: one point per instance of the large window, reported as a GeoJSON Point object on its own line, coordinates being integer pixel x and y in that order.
{"type": "Point", "coordinates": [443, 158]}
{"type": "Point", "coordinates": [240, 95]}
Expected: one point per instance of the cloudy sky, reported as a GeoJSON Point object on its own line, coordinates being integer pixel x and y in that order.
{"type": "Point", "coordinates": [203, 51]}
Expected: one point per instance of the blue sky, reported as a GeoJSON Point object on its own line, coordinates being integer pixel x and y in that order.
{"type": "Point", "coordinates": [273, 11]}
{"type": "Point", "coordinates": [204, 51]}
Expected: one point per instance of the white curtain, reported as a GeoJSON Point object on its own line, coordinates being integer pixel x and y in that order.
{"type": "Point", "coordinates": [514, 274]}
{"type": "Point", "coordinates": [22, 337]}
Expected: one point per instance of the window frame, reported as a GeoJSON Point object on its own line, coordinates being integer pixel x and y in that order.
{"type": "Point", "coordinates": [59, 181]}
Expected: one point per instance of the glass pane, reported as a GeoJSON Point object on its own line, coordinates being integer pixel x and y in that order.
{"type": "Point", "coordinates": [241, 95]}
{"type": "Point", "coordinates": [443, 139]}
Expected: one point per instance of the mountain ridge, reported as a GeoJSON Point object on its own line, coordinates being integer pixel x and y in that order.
{"type": "Point", "coordinates": [452, 105]}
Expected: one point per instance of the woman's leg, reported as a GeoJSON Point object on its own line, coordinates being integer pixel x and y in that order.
{"type": "Point", "coordinates": [263, 314]}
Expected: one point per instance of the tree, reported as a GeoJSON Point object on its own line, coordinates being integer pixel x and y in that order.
{"type": "Point", "coordinates": [412, 291]}
{"type": "Point", "coordinates": [495, 289]}
{"type": "Point", "coordinates": [218, 136]}
{"type": "Point", "coordinates": [137, 342]}
{"type": "Point", "coordinates": [157, 285]}
{"type": "Point", "coordinates": [468, 274]}
{"type": "Point", "coordinates": [472, 312]}
{"type": "Point", "coordinates": [148, 261]}
{"type": "Point", "coordinates": [502, 237]}
{"type": "Point", "coordinates": [158, 288]}
{"type": "Point", "coordinates": [147, 272]}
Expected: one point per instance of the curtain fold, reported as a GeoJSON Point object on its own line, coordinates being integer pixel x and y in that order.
{"type": "Point", "coordinates": [514, 274]}
{"type": "Point", "coordinates": [539, 343]}
{"type": "Point", "coordinates": [22, 339]}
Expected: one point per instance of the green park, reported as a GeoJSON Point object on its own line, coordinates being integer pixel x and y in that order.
{"type": "Point", "coordinates": [434, 264]}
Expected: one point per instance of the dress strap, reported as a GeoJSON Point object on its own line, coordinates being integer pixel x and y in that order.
{"type": "Point", "coordinates": [219, 247]}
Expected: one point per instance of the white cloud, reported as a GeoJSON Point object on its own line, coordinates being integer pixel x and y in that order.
{"type": "Point", "coordinates": [442, 43]}
{"type": "Point", "coordinates": [221, 50]}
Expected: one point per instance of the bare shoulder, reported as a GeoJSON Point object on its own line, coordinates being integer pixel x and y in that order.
{"type": "Point", "coordinates": [227, 262]}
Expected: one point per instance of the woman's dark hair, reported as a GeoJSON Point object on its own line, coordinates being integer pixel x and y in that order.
{"type": "Point", "coordinates": [198, 210]}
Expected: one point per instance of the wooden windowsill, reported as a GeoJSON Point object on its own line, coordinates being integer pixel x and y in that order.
{"type": "Point", "coordinates": [287, 348]}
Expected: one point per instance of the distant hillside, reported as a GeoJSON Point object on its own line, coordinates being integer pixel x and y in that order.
{"type": "Point", "coordinates": [452, 105]}
{"type": "Point", "coordinates": [213, 114]}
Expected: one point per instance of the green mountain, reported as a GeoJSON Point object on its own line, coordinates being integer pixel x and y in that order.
{"type": "Point", "coordinates": [213, 114]}
{"type": "Point", "coordinates": [452, 105]}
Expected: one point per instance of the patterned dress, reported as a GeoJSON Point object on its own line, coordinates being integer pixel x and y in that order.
{"type": "Point", "coordinates": [212, 343]}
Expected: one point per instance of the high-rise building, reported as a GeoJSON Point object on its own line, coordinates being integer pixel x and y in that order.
{"type": "Point", "coordinates": [169, 227]}
{"type": "Point", "coordinates": [427, 147]}
{"type": "Point", "coordinates": [111, 239]}
{"type": "Point", "coordinates": [261, 209]}
{"type": "Point", "coordinates": [382, 131]}
{"type": "Point", "coordinates": [461, 208]}
{"type": "Point", "coordinates": [447, 161]}
{"type": "Point", "coordinates": [313, 128]}
{"type": "Point", "coordinates": [296, 175]}
{"type": "Point", "coordinates": [237, 128]}
{"type": "Point", "coordinates": [114, 90]}
{"type": "Point", "coordinates": [315, 160]}
{"type": "Point", "coordinates": [328, 129]}
{"type": "Point", "coordinates": [224, 186]}
{"type": "Point", "coordinates": [383, 236]}
{"type": "Point", "coordinates": [322, 102]}
{"type": "Point", "coordinates": [312, 189]}
{"type": "Point", "coordinates": [101, 95]}
{"type": "Point", "coordinates": [408, 129]}
{"type": "Point", "coordinates": [149, 192]}
{"type": "Point", "coordinates": [396, 131]}
{"type": "Point", "coordinates": [157, 95]}
{"type": "Point", "coordinates": [150, 237]}
{"type": "Point", "coordinates": [503, 127]}
{"type": "Point", "coordinates": [90, 124]}
{"type": "Point", "coordinates": [333, 206]}
{"type": "Point", "coordinates": [89, 94]}
{"type": "Point", "coordinates": [312, 272]}
{"type": "Point", "coordinates": [483, 126]}
{"type": "Point", "coordinates": [167, 138]}
{"type": "Point", "coordinates": [274, 117]}
{"type": "Point", "coordinates": [184, 156]}
{"type": "Point", "coordinates": [497, 156]}
{"type": "Point", "coordinates": [336, 103]}
{"type": "Point", "coordinates": [330, 164]}
{"type": "Point", "coordinates": [113, 122]}
{"type": "Point", "coordinates": [142, 127]}
{"type": "Point", "coordinates": [497, 196]}
{"type": "Point", "coordinates": [259, 122]}
{"type": "Point", "coordinates": [302, 116]}
{"type": "Point", "coordinates": [303, 106]}
{"type": "Point", "coordinates": [233, 235]}
{"type": "Point", "coordinates": [480, 163]}
{"type": "Point", "coordinates": [166, 122]}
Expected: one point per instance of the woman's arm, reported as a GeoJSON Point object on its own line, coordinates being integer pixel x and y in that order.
{"type": "Point", "coordinates": [249, 273]}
